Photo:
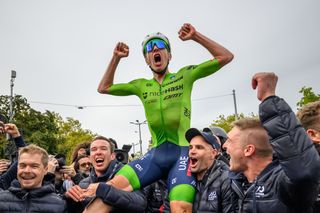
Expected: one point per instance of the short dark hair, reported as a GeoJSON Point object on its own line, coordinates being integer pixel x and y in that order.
{"type": "Point", "coordinates": [105, 139]}
{"type": "Point", "coordinates": [76, 162]}
{"type": "Point", "coordinates": [83, 145]}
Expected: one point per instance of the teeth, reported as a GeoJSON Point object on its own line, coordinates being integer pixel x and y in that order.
{"type": "Point", "coordinates": [99, 160]}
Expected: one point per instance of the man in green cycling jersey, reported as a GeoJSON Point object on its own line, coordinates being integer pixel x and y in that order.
{"type": "Point", "coordinates": [167, 103]}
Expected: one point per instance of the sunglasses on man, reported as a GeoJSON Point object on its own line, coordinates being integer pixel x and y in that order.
{"type": "Point", "coordinates": [155, 42]}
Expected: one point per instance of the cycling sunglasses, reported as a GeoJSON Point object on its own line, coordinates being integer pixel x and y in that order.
{"type": "Point", "coordinates": [158, 42]}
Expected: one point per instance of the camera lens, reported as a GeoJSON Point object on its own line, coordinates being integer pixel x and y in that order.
{"type": "Point", "coordinates": [120, 157]}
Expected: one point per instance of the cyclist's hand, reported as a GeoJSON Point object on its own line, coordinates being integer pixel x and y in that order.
{"type": "Point", "coordinates": [121, 50]}
{"type": "Point", "coordinates": [187, 32]}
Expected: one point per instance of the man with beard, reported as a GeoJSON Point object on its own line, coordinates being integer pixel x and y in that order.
{"type": "Point", "coordinates": [167, 104]}
{"type": "Point", "coordinates": [309, 117]}
{"type": "Point", "coordinates": [29, 193]}
{"type": "Point", "coordinates": [213, 190]}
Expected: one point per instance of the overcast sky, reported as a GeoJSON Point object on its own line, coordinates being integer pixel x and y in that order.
{"type": "Point", "coordinates": [60, 50]}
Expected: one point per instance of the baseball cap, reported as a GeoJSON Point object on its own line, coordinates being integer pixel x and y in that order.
{"type": "Point", "coordinates": [208, 137]}
{"type": "Point", "coordinates": [217, 131]}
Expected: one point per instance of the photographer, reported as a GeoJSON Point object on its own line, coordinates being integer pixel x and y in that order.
{"type": "Point", "coordinates": [56, 173]}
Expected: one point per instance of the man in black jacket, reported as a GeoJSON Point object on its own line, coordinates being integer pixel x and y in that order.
{"type": "Point", "coordinates": [29, 193]}
{"type": "Point", "coordinates": [287, 183]}
{"type": "Point", "coordinates": [309, 117]}
{"type": "Point", "coordinates": [105, 166]}
{"type": "Point", "coordinates": [213, 190]}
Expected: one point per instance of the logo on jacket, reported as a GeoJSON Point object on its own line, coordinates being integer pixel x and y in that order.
{"type": "Point", "coordinates": [212, 195]}
{"type": "Point", "coordinates": [174, 180]}
{"type": "Point", "coordinates": [145, 95]}
{"type": "Point", "coordinates": [260, 192]}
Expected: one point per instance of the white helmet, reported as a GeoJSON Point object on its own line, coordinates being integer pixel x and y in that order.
{"type": "Point", "coordinates": [155, 35]}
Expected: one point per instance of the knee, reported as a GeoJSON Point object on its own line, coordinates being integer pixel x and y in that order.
{"type": "Point", "coordinates": [180, 206]}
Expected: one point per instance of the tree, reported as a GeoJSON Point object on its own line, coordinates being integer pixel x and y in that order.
{"type": "Point", "coordinates": [225, 121]}
{"type": "Point", "coordinates": [308, 96]}
{"type": "Point", "coordinates": [47, 129]}
{"type": "Point", "coordinates": [70, 134]}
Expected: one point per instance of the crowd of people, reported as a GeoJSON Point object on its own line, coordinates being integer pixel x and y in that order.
{"type": "Point", "coordinates": [265, 164]}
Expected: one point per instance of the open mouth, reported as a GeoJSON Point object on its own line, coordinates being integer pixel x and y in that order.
{"type": "Point", "coordinates": [157, 58]}
{"type": "Point", "coordinates": [193, 162]}
{"type": "Point", "coordinates": [27, 177]}
{"type": "Point", "coordinates": [99, 161]}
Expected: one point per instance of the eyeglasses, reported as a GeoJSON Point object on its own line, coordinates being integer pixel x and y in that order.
{"type": "Point", "coordinates": [158, 42]}
{"type": "Point", "coordinates": [85, 164]}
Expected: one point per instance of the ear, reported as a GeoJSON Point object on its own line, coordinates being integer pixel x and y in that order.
{"type": "Point", "coordinates": [314, 135]}
{"type": "Point", "coordinates": [146, 58]}
{"type": "Point", "coordinates": [46, 170]}
{"type": "Point", "coordinates": [169, 56]}
{"type": "Point", "coordinates": [113, 156]}
{"type": "Point", "coordinates": [214, 154]}
{"type": "Point", "coordinates": [249, 150]}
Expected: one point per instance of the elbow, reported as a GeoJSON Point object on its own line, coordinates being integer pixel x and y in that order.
{"type": "Point", "coordinates": [102, 90]}
{"type": "Point", "coordinates": [223, 60]}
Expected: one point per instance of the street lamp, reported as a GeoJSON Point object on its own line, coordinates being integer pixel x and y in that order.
{"type": "Point", "coordinates": [139, 124]}
{"type": "Point", "coordinates": [13, 76]}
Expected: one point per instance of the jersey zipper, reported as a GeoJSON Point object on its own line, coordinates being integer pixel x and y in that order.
{"type": "Point", "coordinates": [161, 111]}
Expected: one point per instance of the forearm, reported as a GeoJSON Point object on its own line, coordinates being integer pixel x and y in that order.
{"type": "Point", "coordinates": [219, 52]}
{"type": "Point", "coordinates": [9, 176]}
{"type": "Point", "coordinates": [107, 79]}
{"type": "Point", "coordinates": [19, 141]}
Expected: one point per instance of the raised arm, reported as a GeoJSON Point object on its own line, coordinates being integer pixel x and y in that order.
{"type": "Point", "coordinates": [120, 51]}
{"type": "Point", "coordinates": [293, 148]}
{"type": "Point", "coordinates": [188, 32]}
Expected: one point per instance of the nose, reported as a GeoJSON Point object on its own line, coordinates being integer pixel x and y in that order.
{"type": "Point", "coordinates": [155, 48]}
{"type": "Point", "coordinates": [224, 146]}
{"type": "Point", "coordinates": [26, 169]}
{"type": "Point", "coordinates": [191, 150]}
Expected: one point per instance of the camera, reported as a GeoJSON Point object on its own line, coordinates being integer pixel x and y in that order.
{"type": "Point", "coordinates": [61, 158]}
{"type": "Point", "coordinates": [122, 155]}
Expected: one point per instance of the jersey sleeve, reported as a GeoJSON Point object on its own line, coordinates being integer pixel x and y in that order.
{"type": "Point", "coordinates": [124, 89]}
{"type": "Point", "coordinates": [202, 70]}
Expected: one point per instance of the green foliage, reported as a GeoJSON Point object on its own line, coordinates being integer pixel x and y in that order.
{"type": "Point", "coordinates": [225, 121]}
{"type": "Point", "coordinates": [47, 129]}
{"type": "Point", "coordinates": [308, 96]}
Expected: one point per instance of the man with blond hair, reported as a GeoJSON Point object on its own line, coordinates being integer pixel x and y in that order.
{"type": "Point", "coordinates": [29, 193]}
{"type": "Point", "coordinates": [309, 117]}
{"type": "Point", "coordinates": [286, 183]}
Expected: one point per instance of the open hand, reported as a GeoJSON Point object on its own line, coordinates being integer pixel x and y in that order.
{"type": "Point", "coordinates": [91, 190]}
{"type": "Point", "coordinates": [75, 193]}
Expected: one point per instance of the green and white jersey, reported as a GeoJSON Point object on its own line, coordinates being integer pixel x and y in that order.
{"type": "Point", "coordinates": [168, 105]}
